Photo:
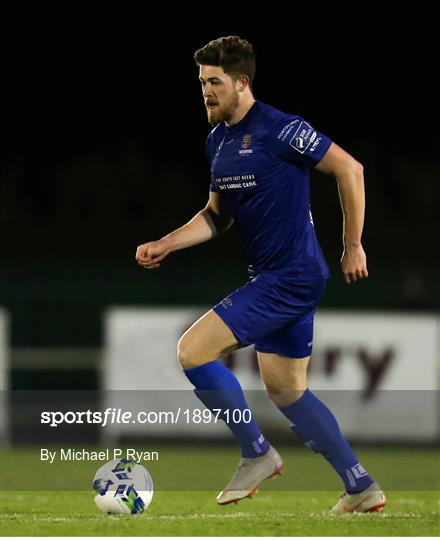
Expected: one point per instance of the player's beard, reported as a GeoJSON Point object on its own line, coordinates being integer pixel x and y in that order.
{"type": "Point", "coordinates": [224, 113]}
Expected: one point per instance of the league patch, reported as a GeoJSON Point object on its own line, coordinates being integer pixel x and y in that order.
{"type": "Point", "coordinates": [303, 137]}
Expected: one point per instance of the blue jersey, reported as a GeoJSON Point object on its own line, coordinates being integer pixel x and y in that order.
{"type": "Point", "coordinates": [261, 168]}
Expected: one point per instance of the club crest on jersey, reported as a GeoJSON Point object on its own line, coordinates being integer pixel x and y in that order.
{"type": "Point", "coordinates": [245, 143]}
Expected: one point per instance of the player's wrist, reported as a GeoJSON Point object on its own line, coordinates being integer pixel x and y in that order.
{"type": "Point", "coordinates": [352, 244]}
{"type": "Point", "coordinates": [168, 242]}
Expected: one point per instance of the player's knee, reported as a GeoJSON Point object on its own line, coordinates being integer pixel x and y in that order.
{"type": "Point", "coordinates": [186, 353]}
{"type": "Point", "coordinates": [284, 397]}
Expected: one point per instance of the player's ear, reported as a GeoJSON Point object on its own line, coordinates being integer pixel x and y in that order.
{"type": "Point", "coordinates": [243, 82]}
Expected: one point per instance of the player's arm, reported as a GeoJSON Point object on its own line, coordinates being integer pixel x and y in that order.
{"type": "Point", "coordinates": [206, 224]}
{"type": "Point", "coordinates": [350, 177]}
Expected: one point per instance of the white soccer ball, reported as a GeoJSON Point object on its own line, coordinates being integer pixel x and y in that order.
{"type": "Point", "coordinates": [123, 487]}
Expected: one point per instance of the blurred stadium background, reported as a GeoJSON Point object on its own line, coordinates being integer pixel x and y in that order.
{"type": "Point", "coordinates": [105, 150]}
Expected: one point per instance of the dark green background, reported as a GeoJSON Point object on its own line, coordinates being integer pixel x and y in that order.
{"type": "Point", "coordinates": [103, 134]}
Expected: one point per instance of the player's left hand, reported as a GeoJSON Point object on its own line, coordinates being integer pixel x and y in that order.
{"type": "Point", "coordinates": [354, 264]}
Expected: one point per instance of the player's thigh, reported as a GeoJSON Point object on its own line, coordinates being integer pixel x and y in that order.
{"type": "Point", "coordinates": [283, 358]}
{"type": "Point", "coordinates": [205, 340]}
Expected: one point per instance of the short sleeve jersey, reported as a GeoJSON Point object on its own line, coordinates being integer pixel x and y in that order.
{"type": "Point", "coordinates": [261, 168]}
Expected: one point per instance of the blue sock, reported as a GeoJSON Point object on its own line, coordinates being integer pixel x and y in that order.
{"type": "Point", "coordinates": [218, 388]}
{"type": "Point", "coordinates": [316, 426]}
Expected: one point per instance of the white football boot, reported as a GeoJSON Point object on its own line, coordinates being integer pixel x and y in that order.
{"type": "Point", "coordinates": [249, 474]}
{"type": "Point", "coordinates": [371, 500]}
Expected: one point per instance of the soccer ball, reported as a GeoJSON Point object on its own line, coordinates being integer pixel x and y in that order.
{"type": "Point", "coordinates": [122, 487]}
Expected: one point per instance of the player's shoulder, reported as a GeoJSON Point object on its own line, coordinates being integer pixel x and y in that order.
{"type": "Point", "coordinates": [275, 118]}
{"type": "Point", "coordinates": [293, 138]}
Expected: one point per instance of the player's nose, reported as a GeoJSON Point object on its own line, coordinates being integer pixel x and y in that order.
{"type": "Point", "coordinates": [207, 91]}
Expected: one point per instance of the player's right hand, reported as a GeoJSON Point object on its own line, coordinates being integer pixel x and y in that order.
{"type": "Point", "coordinates": [151, 254]}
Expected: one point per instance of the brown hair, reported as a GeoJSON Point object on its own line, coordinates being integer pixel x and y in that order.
{"type": "Point", "coordinates": [232, 53]}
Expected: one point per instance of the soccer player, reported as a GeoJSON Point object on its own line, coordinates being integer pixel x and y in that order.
{"type": "Point", "coordinates": [260, 162]}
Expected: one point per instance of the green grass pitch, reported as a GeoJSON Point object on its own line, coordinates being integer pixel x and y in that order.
{"type": "Point", "coordinates": [171, 513]}
{"type": "Point", "coordinates": [277, 510]}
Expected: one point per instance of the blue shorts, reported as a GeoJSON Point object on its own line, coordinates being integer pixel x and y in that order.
{"type": "Point", "coordinates": [274, 313]}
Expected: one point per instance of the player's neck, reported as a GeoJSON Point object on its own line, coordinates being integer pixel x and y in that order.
{"type": "Point", "coordinates": [242, 110]}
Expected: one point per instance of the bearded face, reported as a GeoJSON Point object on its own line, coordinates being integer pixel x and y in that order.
{"type": "Point", "coordinates": [222, 110]}
{"type": "Point", "coordinates": [220, 94]}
